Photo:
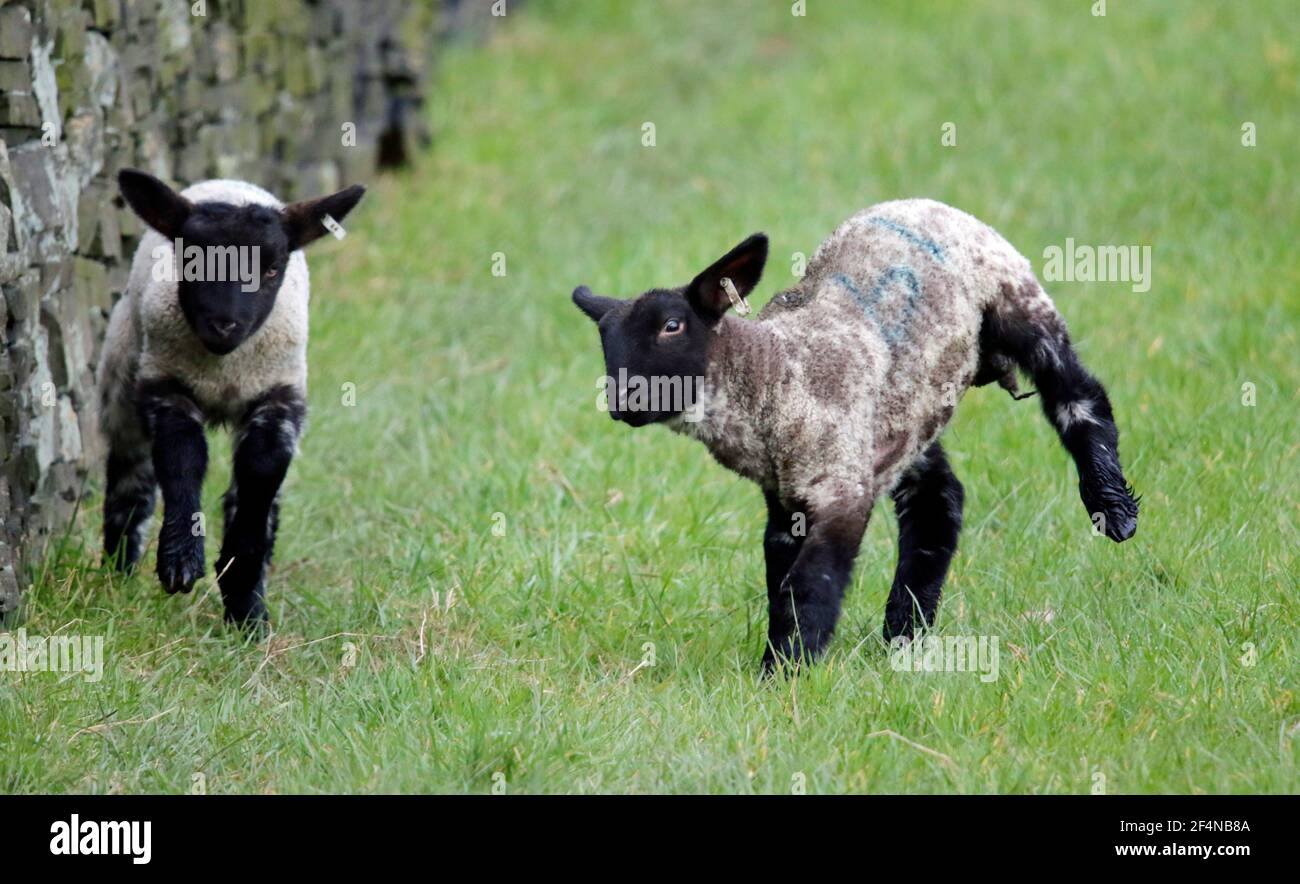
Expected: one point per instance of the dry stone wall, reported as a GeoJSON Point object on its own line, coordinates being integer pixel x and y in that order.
{"type": "Point", "coordinates": [300, 96]}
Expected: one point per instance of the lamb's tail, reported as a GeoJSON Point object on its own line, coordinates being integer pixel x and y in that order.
{"type": "Point", "coordinates": [1023, 329]}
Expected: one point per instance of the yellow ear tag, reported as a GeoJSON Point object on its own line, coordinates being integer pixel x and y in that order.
{"type": "Point", "coordinates": [741, 305]}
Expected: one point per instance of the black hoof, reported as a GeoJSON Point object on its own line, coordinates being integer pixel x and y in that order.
{"type": "Point", "coordinates": [180, 564]}
{"type": "Point", "coordinates": [788, 658]}
{"type": "Point", "coordinates": [893, 630]}
{"type": "Point", "coordinates": [242, 590]}
{"type": "Point", "coordinates": [122, 561]}
{"type": "Point", "coordinates": [1112, 508]}
{"type": "Point", "coordinates": [248, 616]}
{"type": "Point", "coordinates": [1121, 529]}
{"type": "Point", "coordinates": [122, 548]}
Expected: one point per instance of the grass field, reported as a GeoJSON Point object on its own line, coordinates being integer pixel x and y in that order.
{"type": "Point", "coordinates": [418, 649]}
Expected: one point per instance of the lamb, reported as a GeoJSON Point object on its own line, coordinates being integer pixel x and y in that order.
{"type": "Point", "coordinates": [212, 330]}
{"type": "Point", "coordinates": [838, 394]}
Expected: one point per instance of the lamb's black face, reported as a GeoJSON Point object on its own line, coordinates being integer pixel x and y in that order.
{"type": "Point", "coordinates": [656, 351]}
{"type": "Point", "coordinates": [230, 272]}
{"type": "Point", "coordinates": [657, 346]}
{"type": "Point", "coordinates": [229, 260]}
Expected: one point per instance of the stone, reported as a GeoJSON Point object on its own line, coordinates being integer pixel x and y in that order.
{"type": "Point", "coordinates": [107, 14]}
{"type": "Point", "coordinates": [48, 204]}
{"type": "Point", "coordinates": [84, 136]}
{"type": "Point", "coordinates": [11, 260]}
{"type": "Point", "coordinates": [15, 76]}
{"type": "Point", "coordinates": [15, 32]}
{"type": "Point", "coordinates": [73, 30]}
{"type": "Point", "coordinates": [92, 285]}
{"type": "Point", "coordinates": [46, 90]}
{"type": "Point", "coordinates": [101, 64]}
{"type": "Point", "coordinates": [20, 109]}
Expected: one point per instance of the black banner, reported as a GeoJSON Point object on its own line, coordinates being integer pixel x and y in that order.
{"type": "Point", "coordinates": [135, 833]}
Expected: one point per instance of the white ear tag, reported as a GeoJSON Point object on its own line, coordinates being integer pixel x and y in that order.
{"type": "Point", "coordinates": [333, 227]}
{"type": "Point", "coordinates": [741, 305]}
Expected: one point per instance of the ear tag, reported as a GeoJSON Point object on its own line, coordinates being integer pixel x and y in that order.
{"type": "Point", "coordinates": [741, 305]}
{"type": "Point", "coordinates": [333, 227]}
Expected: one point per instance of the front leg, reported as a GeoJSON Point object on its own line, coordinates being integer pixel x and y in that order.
{"type": "Point", "coordinates": [804, 610]}
{"type": "Point", "coordinates": [782, 541]}
{"type": "Point", "coordinates": [180, 460]}
{"type": "Point", "coordinates": [265, 443]}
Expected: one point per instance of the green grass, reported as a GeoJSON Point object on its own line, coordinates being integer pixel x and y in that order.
{"type": "Point", "coordinates": [475, 396]}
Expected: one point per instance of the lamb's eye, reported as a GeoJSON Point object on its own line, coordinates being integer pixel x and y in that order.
{"type": "Point", "coordinates": [270, 273]}
{"type": "Point", "coordinates": [673, 326]}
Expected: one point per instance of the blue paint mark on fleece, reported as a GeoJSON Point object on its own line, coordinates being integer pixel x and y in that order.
{"type": "Point", "coordinates": [853, 289]}
{"type": "Point", "coordinates": [916, 239]}
{"type": "Point", "coordinates": [894, 332]}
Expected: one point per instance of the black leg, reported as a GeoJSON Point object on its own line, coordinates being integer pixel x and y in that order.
{"type": "Point", "coordinates": [180, 460]}
{"type": "Point", "coordinates": [1087, 428]}
{"type": "Point", "coordinates": [928, 500]}
{"type": "Point", "coordinates": [128, 502]}
{"type": "Point", "coordinates": [264, 448]}
{"type": "Point", "coordinates": [1078, 408]}
{"type": "Point", "coordinates": [806, 606]}
{"type": "Point", "coordinates": [782, 541]}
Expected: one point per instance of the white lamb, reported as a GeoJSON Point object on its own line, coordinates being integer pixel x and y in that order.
{"type": "Point", "coordinates": [212, 330]}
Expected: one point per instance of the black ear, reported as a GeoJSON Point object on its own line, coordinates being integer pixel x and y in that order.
{"type": "Point", "coordinates": [595, 306]}
{"type": "Point", "coordinates": [743, 265]}
{"type": "Point", "coordinates": [304, 222]}
{"type": "Point", "coordinates": [158, 205]}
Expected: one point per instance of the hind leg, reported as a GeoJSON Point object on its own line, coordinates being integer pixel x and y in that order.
{"type": "Point", "coordinates": [1078, 408]}
{"type": "Point", "coordinates": [128, 502]}
{"type": "Point", "coordinates": [928, 500]}
{"type": "Point", "coordinates": [1076, 404]}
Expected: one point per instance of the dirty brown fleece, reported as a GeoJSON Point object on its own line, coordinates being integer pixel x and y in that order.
{"type": "Point", "coordinates": [839, 391]}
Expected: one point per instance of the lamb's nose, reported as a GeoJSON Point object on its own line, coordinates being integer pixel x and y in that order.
{"type": "Point", "coordinates": [224, 327]}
